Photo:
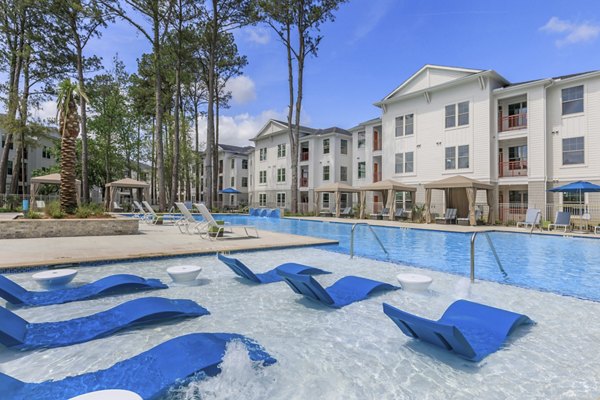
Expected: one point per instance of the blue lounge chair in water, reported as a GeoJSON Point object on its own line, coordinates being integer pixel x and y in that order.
{"type": "Point", "coordinates": [17, 333]}
{"type": "Point", "coordinates": [18, 295]}
{"type": "Point", "coordinates": [345, 291]}
{"type": "Point", "coordinates": [241, 270]}
{"type": "Point", "coordinates": [150, 374]}
{"type": "Point", "coordinates": [471, 330]}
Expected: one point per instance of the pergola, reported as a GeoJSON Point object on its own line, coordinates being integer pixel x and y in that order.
{"type": "Point", "coordinates": [127, 183]}
{"type": "Point", "coordinates": [388, 189]}
{"type": "Point", "coordinates": [51, 179]}
{"type": "Point", "coordinates": [337, 189]}
{"type": "Point", "coordinates": [461, 193]}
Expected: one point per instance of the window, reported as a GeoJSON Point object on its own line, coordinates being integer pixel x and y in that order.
{"type": "Point", "coordinates": [463, 156]}
{"type": "Point", "coordinates": [326, 172]}
{"type": "Point", "coordinates": [220, 166]}
{"type": "Point", "coordinates": [450, 157]}
{"type": "Point", "coordinates": [344, 174]}
{"type": "Point", "coordinates": [9, 167]}
{"type": "Point", "coordinates": [281, 199]}
{"type": "Point", "coordinates": [304, 152]}
{"type": "Point", "coordinates": [220, 183]}
{"type": "Point", "coordinates": [518, 196]}
{"type": "Point", "coordinates": [232, 163]}
{"type": "Point", "coordinates": [325, 146]}
{"type": "Point", "coordinates": [232, 182]}
{"type": "Point", "coordinates": [405, 162]}
{"type": "Point", "coordinates": [325, 200]}
{"type": "Point", "coordinates": [280, 174]}
{"type": "Point", "coordinates": [262, 199]}
{"type": "Point", "coordinates": [451, 114]}
{"type": "Point", "coordinates": [244, 182]}
{"type": "Point", "coordinates": [244, 164]}
{"type": "Point", "coordinates": [361, 139]}
{"type": "Point", "coordinates": [572, 100]}
{"type": "Point", "coordinates": [262, 177]}
{"type": "Point", "coordinates": [344, 146]}
{"type": "Point", "coordinates": [263, 154]}
{"type": "Point", "coordinates": [362, 170]}
{"type": "Point", "coordinates": [281, 150]}
{"type": "Point", "coordinates": [4, 143]}
{"type": "Point", "coordinates": [46, 153]}
{"type": "Point", "coordinates": [573, 151]}
{"type": "Point", "coordinates": [405, 125]}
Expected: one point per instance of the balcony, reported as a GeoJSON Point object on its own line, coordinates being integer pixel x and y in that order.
{"type": "Point", "coordinates": [304, 156]}
{"type": "Point", "coordinates": [512, 168]}
{"type": "Point", "coordinates": [512, 122]}
{"type": "Point", "coordinates": [376, 177]}
{"type": "Point", "coordinates": [303, 182]}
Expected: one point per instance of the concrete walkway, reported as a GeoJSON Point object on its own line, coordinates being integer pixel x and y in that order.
{"type": "Point", "coordinates": [153, 241]}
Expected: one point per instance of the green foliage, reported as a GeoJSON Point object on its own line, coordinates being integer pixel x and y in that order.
{"type": "Point", "coordinates": [33, 215]}
{"type": "Point", "coordinates": [53, 210]}
{"type": "Point", "coordinates": [89, 210]}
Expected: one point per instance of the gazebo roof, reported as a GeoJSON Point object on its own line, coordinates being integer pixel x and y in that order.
{"type": "Point", "coordinates": [456, 182]}
{"type": "Point", "coordinates": [50, 178]}
{"type": "Point", "coordinates": [128, 183]}
{"type": "Point", "coordinates": [388, 184]}
{"type": "Point", "coordinates": [337, 187]}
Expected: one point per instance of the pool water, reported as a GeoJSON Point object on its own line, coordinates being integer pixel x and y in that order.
{"type": "Point", "coordinates": [564, 265]}
{"type": "Point", "coordinates": [351, 353]}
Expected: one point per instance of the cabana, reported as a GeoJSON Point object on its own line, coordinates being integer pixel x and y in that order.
{"type": "Point", "coordinates": [127, 183]}
{"type": "Point", "coordinates": [51, 179]}
{"type": "Point", "coordinates": [461, 193]}
{"type": "Point", "coordinates": [337, 189]}
{"type": "Point", "coordinates": [388, 188]}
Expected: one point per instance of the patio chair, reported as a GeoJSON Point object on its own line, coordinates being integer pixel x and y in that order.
{"type": "Point", "coordinates": [448, 218]}
{"type": "Point", "coordinates": [327, 212]}
{"type": "Point", "coordinates": [533, 218]}
{"type": "Point", "coordinates": [596, 230]}
{"type": "Point", "coordinates": [150, 374]}
{"type": "Point", "coordinates": [347, 213]}
{"type": "Point", "coordinates": [345, 291]}
{"type": "Point", "coordinates": [154, 218]}
{"type": "Point", "coordinates": [215, 230]}
{"type": "Point", "coordinates": [15, 332]}
{"type": "Point", "coordinates": [465, 221]}
{"type": "Point", "coordinates": [562, 220]}
{"type": "Point", "coordinates": [188, 224]}
{"type": "Point", "coordinates": [400, 214]}
{"type": "Point", "coordinates": [471, 330]}
{"type": "Point", "coordinates": [138, 210]}
{"type": "Point", "coordinates": [117, 207]}
{"type": "Point", "coordinates": [381, 214]}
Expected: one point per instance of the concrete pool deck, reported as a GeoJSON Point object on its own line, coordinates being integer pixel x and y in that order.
{"type": "Point", "coordinates": [152, 241]}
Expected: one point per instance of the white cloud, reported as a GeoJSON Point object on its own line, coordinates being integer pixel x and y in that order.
{"type": "Point", "coordinates": [258, 35]}
{"type": "Point", "coordinates": [573, 32]}
{"type": "Point", "coordinates": [242, 88]}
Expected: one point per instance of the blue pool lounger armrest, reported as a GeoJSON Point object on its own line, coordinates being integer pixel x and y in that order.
{"type": "Point", "coordinates": [18, 333]}
{"type": "Point", "coordinates": [471, 330]}
{"type": "Point", "coordinates": [150, 374]}
{"type": "Point", "coordinates": [241, 270]}
{"type": "Point", "coordinates": [17, 295]}
{"type": "Point", "coordinates": [347, 290]}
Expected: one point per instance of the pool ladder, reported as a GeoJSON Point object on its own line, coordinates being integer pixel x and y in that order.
{"type": "Point", "coordinates": [489, 240]}
{"type": "Point", "coordinates": [374, 234]}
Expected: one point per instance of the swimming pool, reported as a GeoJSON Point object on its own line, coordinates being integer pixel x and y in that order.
{"type": "Point", "coordinates": [351, 353]}
{"type": "Point", "coordinates": [564, 265]}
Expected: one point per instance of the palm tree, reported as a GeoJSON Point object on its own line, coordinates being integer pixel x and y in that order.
{"type": "Point", "coordinates": [68, 120]}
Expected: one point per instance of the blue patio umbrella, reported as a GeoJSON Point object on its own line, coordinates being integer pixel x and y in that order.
{"type": "Point", "coordinates": [230, 190]}
{"type": "Point", "coordinates": [580, 187]}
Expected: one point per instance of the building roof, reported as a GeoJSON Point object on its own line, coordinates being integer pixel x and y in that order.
{"type": "Point", "coordinates": [236, 149]}
{"type": "Point", "coordinates": [304, 130]}
{"type": "Point", "coordinates": [365, 123]}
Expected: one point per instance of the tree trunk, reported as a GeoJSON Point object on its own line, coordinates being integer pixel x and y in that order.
{"type": "Point", "coordinates": [19, 163]}
{"type": "Point", "coordinates": [85, 191]}
{"type": "Point", "coordinates": [291, 133]}
{"type": "Point", "coordinates": [160, 166]}
{"type": "Point", "coordinates": [153, 167]}
{"type": "Point", "coordinates": [68, 160]}
{"type": "Point", "coordinates": [175, 157]}
{"type": "Point", "coordinates": [215, 154]}
{"type": "Point", "coordinates": [197, 155]}
{"type": "Point", "coordinates": [14, 183]}
{"type": "Point", "coordinates": [209, 184]}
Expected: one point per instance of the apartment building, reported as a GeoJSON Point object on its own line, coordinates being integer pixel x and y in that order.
{"type": "Point", "coordinates": [524, 138]}
{"type": "Point", "coordinates": [325, 157]}
{"type": "Point", "coordinates": [37, 155]}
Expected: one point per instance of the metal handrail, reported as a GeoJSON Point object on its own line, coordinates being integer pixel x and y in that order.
{"type": "Point", "coordinates": [374, 234]}
{"type": "Point", "coordinates": [489, 240]}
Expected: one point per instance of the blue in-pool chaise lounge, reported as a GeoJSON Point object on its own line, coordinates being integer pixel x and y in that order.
{"type": "Point", "coordinates": [471, 330]}
{"type": "Point", "coordinates": [20, 334]}
{"type": "Point", "coordinates": [150, 374]}
{"type": "Point", "coordinates": [345, 291]}
{"type": "Point", "coordinates": [18, 295]}
{"type": "Point", "coordinates": [240, 269]}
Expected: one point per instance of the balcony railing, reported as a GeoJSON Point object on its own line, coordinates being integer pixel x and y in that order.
{"type": "Point", "coordinates": [304, 156]}
{"type": "Point", "coordinates": [512, 122]}
{"type": "Point", "coordinates": [376, 144]}
{"type": "Point", "coordinates": [512, 168]}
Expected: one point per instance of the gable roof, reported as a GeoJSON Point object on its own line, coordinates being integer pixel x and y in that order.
{"type": "Point", "coordinates": [236, 149]}
{"type": "Point", "coordinates": [278, 127]}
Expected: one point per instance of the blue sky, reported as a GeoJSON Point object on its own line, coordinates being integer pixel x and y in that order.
{"type": "Point", "coordinates": [374, 45]}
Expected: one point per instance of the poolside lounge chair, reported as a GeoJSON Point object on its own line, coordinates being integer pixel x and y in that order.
{"type": "Point", "coordinates": [138, 210]}
{"type": "Point", "coordinates": [219, 229]}
{"type": "Point", "coordinates": [346, 290]}
{"type": "Point", "coordinates": [562, 220]}
{"type": "Point", "coordinates": [150, 374]}
{"type": "Point", "coordinates": [400, 214]}
{"type": "Point", "coordinates": [18, 333]}
{"type": "Point", "coordinates": [241, 270]}
{"type": "Point", "coordinates": [154, 218]}
{"type": "Point", "coordinates": [188, 224]}
{"type": "Point", "coordinates": [533, 218]}
{"type": "Point", "coordinates": [596, 230]}
{"type": "Point", "coordinates": [448, 218]}
{"type": "Point", "coordinates": [465, 221]}
{"type": "Point", "coordinates": [347, 212]}
{"type": "Point", "coordinates": [18, 295]}
{"type": "Point", "coordinates": [327, 212]}
{"type": "Point", "coordinates": [117, 207]}
{"type": "Point", "coordinates": [384, 213]}
{"type": "Point", "coordinates": [469, 329]}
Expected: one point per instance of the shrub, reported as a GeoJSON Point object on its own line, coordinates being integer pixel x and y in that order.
{"type": "Point", "coordinates": [89, 210]}
{"type": "Point", "coordinates": [53, 210]}
{"type": "Point", "coordinates": [33, 215]}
